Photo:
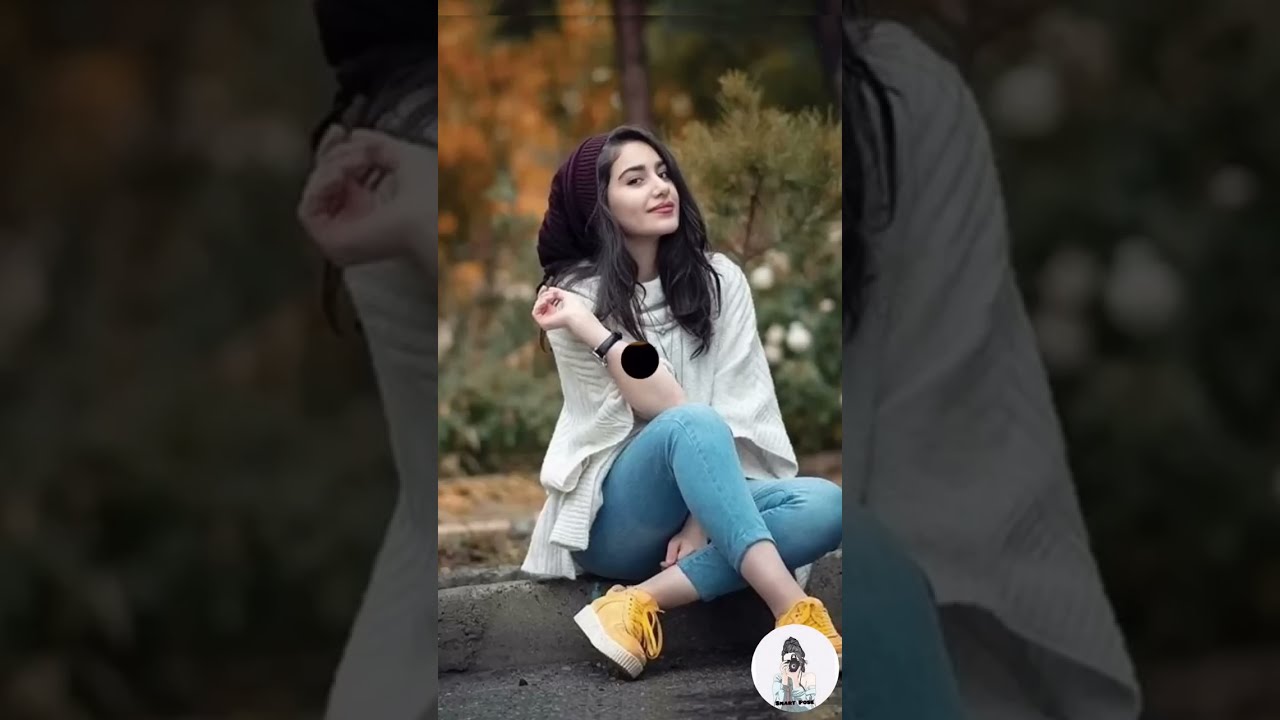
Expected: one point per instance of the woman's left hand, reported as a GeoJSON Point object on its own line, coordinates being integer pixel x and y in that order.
{"type": "Point", "coordinates": [690, 538]}
{"type": "Point", "coordinates": [370, 197]}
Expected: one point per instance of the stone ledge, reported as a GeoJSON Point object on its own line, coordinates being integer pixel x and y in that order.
{"type": "Point", "coordinates": [527, 622]}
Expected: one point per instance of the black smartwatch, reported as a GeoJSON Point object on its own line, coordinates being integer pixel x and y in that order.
{"type": "Point", "coordinates": [602, 351]}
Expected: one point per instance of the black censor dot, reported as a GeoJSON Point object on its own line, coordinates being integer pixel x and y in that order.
{"type": "Point", "coordinates": [639, 360]}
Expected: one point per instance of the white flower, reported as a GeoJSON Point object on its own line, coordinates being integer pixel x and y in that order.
{"type": "Point", "coordinates": [774, 335]}
{"type": "Point", "coordinates": [471, 437]}
{"type": "Point", "coordinates": [444, 338]}
{"type": "Point", "coordinates": [571, 101]}
{"type": "Point", "coordinates": [827, 305]}
{"type": "Point", "coordinates": [1143, 291]}
{"type": "Point", "coordinates": [1064, 339]}
{"type": "Point", "coordinates": [773, 354]}
{"type": "Point", "coordinates": [798, 337]}
{"type": "Point", "coordinates": [1232, 187]}
{"type": "Point", "coordinates": [1081, 43]}
{"type": "Point", "coordinates": [1027, 100]}
{"type": "Point", "coordinates": [778, 260]}
{"type": "Point", "coordinates": [1069, 279]}
{"type": "Point", "coordinates": [762, 277]}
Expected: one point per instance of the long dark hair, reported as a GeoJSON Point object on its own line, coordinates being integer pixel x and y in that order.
{"type": "Point", "coordinates": [869, 167]}
{"type": "Point", "coordinates": [689, 283]}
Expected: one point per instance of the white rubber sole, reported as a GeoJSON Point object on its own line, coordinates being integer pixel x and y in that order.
{"type": "Point", "coordinates": [600, 640]}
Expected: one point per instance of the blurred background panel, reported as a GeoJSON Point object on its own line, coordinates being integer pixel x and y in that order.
{"type": "Point", "coordinates": [194, 467]}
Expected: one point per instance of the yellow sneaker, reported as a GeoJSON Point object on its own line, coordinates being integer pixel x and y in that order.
{"type": "Point", "coordinates": [624, 626]}
{"type": "Point", "coordinates": [811, 612]}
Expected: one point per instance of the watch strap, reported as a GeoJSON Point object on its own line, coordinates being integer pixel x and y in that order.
{"type": "Point", "coordinates": [602, 349]}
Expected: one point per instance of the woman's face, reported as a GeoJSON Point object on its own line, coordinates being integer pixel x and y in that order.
{"type": "Point", "coordinates": [641, 195]}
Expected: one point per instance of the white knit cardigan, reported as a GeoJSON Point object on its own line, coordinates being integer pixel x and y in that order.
{"type": "Point", "coordinates": [596, 423]}
{"type": "Point", "coordinates": [951, 437]}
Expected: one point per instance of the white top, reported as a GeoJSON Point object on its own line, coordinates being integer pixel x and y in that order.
{"type": "Point", "coordinates": [950, 433]}
{"type": "Point", "coordinates": [596, 422]}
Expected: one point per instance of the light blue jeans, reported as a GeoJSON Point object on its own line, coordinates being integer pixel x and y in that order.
{"type": "Point", "coordinates": [685, 461]}
{"type": "Point", "coordinates": [896, 664]}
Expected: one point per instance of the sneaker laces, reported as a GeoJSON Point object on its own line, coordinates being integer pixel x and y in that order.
{"type": "Point", "coordinates": [811, 612]}
{"type": "Point", "coordinates": [642, 623]}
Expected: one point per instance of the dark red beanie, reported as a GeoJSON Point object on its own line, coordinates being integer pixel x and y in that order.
{"type": "Point", "coordinates": [563, 235]}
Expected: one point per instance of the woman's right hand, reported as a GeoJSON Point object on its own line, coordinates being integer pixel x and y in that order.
{"type": "Point", "coordinates": [555, 309]}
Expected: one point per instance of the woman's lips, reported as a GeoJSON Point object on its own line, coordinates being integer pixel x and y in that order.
{"type": "Point", "coordinates": [665, 209]}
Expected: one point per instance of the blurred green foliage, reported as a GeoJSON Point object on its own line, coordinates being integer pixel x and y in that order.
{"type": "Point", "coordinates": [768, 183]}
{"type": "Point", "coordinates": [1139, 162]}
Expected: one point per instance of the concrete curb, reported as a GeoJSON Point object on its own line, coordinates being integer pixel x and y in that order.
{"type": "Point", "coordinates": [460, 577]}
{"type": "Point", "coordinates": [530, 622]}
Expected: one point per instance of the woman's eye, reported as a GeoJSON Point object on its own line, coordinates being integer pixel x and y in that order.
{"type": "Point", "coordinates": [633, 181]}
{"type": "Point", "coordinates": [663, 174]}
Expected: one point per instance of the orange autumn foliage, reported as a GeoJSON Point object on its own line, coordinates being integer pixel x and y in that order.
{"type": "Point", "coordinates": [465, 279]}
{"type": "Point", "coordinates": [510, 110]}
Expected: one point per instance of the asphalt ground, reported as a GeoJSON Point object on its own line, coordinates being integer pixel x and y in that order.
{"type": "Point", "coordinates": [700, 686]}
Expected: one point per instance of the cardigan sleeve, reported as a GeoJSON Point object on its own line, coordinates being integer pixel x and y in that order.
{"type": "Point", "coordinates": [595, 417]}
{"type": "Point", "coordinates": [743, 391]}
{"type": "Point", "coordinates": [966, 464]}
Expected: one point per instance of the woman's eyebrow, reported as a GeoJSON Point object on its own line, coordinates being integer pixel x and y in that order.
{"type": "Point", "coordinates": [659, 164]}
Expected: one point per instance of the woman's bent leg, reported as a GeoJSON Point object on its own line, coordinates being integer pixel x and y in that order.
{"type": "Point", "coordinates": [641, 510]}
{"type": "Point", "coordinates": [898, 664]}
{"type": "Point", "coordinates": [683, 461]}
{"type": "Point", "coordinates": [803, 516]}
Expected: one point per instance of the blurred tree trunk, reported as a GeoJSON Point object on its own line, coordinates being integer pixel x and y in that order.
{"type": "Point", "coordinates": [827, 29]}
{"type": "Point", "coordinates": [628, 28]}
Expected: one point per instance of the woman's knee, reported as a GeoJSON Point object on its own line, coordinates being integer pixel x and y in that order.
{"type": "Point", "coordinates": [823, 516]}
{"type": "Point", "coordinates": [693, 416]}
{"type": "Point", "coordinates": [828, 497]}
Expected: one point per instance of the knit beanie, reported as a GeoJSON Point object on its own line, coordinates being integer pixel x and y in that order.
{"type": "Point", "coordinates": [563, 235]}
{"type": "Point", "coordinates": [372, 45]}
{"type": "Point", "coordinates": [352, 28]}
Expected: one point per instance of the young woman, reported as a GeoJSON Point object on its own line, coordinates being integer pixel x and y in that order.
{"type": "Point", "coordinates": [369, 206]}
{"type": "Point", "coordinates": [947, 407]}
{"type": "Point", "coordinates": [681, 484]}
